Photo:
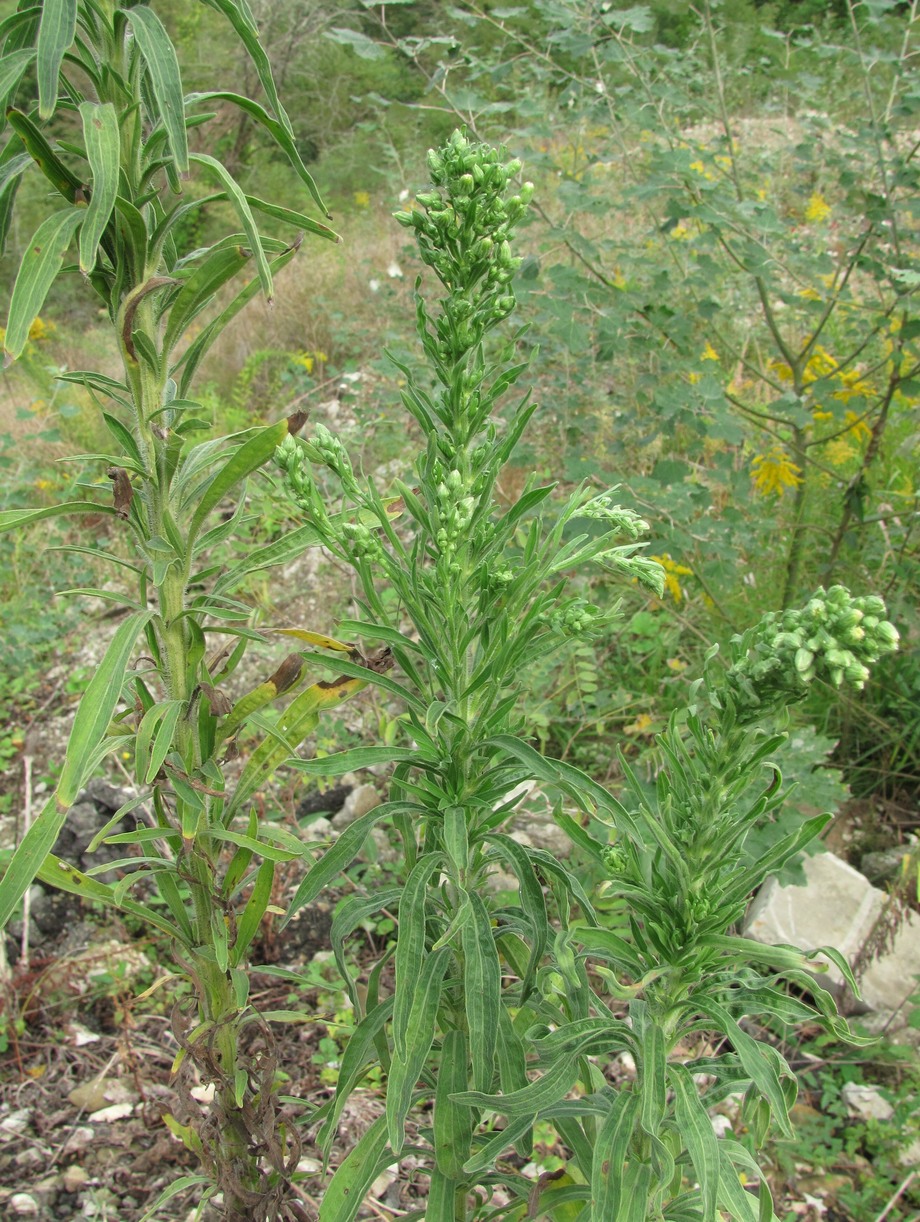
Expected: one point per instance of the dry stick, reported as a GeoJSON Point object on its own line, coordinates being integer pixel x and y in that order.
{"type": "Point", "coordinates": [26, 824]}
{"type": "Point", "coordinates": [905, 1184]}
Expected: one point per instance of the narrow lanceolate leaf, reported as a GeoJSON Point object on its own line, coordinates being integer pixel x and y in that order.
{"type": "Point", "coordinates": [242, 462]}
{"type": "Point", "coordinates": [360, 1167]}
{"type": "Point", "coordinates": [12, 68]}
{"type": "Point", "coordinates": [244, 212]}
{"type": "Point", "coordinates": [55, 34]}
{"type": "Point", "coordinates": [654, 1090]}
{"type": "Point", "coordinates": [347, 846]}
{"type": "Point", "coordinates": [482, 987]}
{"type": "Point", "coordinates": [103, 149]}
{"type": "Point", "coordinates": [163, 66]}
{"type": "Point", "coordinates": [554, 1085]}
{"type": "Point", "coordinates": [406, 1070]}
{"type": "Point", "coordinates": [65, 877]}
{"type": "Point", "coordinates": [251, 919]}
{"type": "Point", "coordinates": [453, 1123]}
{"type": "Point", "coordinates": [58, 174]}
{"type": "Point", "coordinates": [360, 1052]}
{"type": "Point", "coordinates": [609, 1203]}
{"type": "Point", "coordinates": [97, 706]}
{"type": "Point", "coordinates": [698, 1136]}
{"type": "Point", "coordinates": [40, 265]}
{"type": "Point", "coordinates": [198, 291]}
{"type": "Point", "coordinates": [281, 135]}
{"type": "Point", "coordinates": [10, 519]}
{"type": "Point", "coordinates": [410, 945]}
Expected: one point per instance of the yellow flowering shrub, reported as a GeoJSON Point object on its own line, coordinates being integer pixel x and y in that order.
{"type": "Point", "coordinates": [818, 209]}
{"type": "Point", "coordinates": [774, 472]}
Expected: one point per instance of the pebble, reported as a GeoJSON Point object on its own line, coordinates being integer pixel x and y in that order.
{"type": "Point", "coordinates": [23, 1205]}
{"type": "Point", "coordinates": [74, 1177]}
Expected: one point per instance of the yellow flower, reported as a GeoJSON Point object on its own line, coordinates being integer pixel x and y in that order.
{"type": "Point", "coordinates": [362, 199]}
{"type": "Point", "coordinates": [810, 294]}
{"type": "Point", "coordinates": [853, 386]}
{"type": "Point", "coordinates": [676, 665]}
{"type": "Point", "coordinates": [642, 725]}
{"type": "Point", "coordinates": [820, 365]}
{"type": "Point", "coordinates": [698, 166]}
{"type": "Point", "coordinates": [694, 377]}
{"type": "Point", "coordinates": [40, 330]}
{"type": "Point", "coordinates": [304, 360]}
{"type": "Point", "coordinates": [709, 353]}
{"type": "Point", "coordinates": [672, 574]}
{"type": "Point", "coordinates": [774, 472]}
{"type": "Point", "coordinates": [818, 209]}
{"type": "Point", "coordinates": [679, 233]}
{"type": "Point", "coordinates": [859, 430]}
{"type": "Point", "coordinates": [839, 452]}
{"type": "Point", "coordinates": [819, 415]}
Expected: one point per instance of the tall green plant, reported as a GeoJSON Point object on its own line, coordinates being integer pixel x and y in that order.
{"type": "Point", "coordinates": [96, 106]}
{"type": "Point", "coordinates": [487, 986]}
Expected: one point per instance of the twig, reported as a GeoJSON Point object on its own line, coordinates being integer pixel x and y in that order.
{"type": "Point", "coordinates": [905, 1184]}
{"type": "Point", "coordinates": [26, 824]}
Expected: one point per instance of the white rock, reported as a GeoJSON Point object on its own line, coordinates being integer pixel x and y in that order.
{"type": "Point", "coordinates": [837, 907]}
{"type": "Point", "coordinates": [361, 799]}
{"type": "Point", "coordinates": [118, 1111]}
{"type": "Point", "coordinates": [23, 1205]}
{"type": "Point", "coordinates": [866, 1101]}
{"type": "Point", "coordinates": [14, 1123]}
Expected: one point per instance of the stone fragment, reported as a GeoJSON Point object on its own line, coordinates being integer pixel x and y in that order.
{"type": "Point", "coordinates": [361, 799]}
{"type": "Point", "coordinates": [22, 1205]}
{"type": "Point", "coordinates": [866, 1102]}
{"type": "Point", "coordinates": [837, 907]}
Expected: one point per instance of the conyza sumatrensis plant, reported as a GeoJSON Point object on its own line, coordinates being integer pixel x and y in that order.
{"type": "Point", "coordinates": [95, 104]}
{"type": "Point", "coordinates": [507, 1004]}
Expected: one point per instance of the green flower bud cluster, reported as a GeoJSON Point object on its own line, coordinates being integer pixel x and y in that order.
{"type": "Point", "coordinates": [293, 460]}
{"type": "Point", "coordinates": [577, 618]}
{"type": "Point", "coordinates": [615, 517]}
{"type": "Point", "coordinates": [624, 560]}
{"type": "Point", "coordinates": [455, 511]}
{"type": "Point", "coordinates": [615, 859]}
{"type": "Point", "coordinates": [360, 542]}
{"type": "Point", "coordinates": [834, 637]}
{"type": "Point", "coordinates": [463, 228]}
{"type": "Point", "coordinates": [325, 449]}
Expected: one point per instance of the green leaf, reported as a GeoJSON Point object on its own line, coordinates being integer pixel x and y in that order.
{"type": "Point", "coordinates": [12, 68]}
{"type": "Point", "coordinates": [245, 459]}
{"type": "Point", "coordinates": [55, 34]}
{"type": "Point", "coordinates": [97, 706]}
{"type": "Point", "coordinates": [453, 1123]}
{"type": "Point", "coordinates": [247, 220]}
{"type": "Point", "coordinates": [249, 922]}
{"type": "Point", "coordinates": [103, 151]}
{"type": "Point", "coordinates": [198, 291]}
{"type": "Point", "coordinates": [155, 738]}
{"type": "Point", "coordinates": [165, 77]}
{"type": "Point", "coordinates": [696, 1131]}
{"type": "Point", "coordinates": [65, 877]}
{"type": "Point", "coordinates": [358, 1055]}
{"type": "Point", "coordinates": [283, 137]}
{"type": "Point", "coordinates": [654, 1090]}
{"type": "Point", "coordinates": [609, 1203]}
{"type": "Point", "coordinates": [363, 47]}
{"type": "Point", "coordinates": [40, 265]}
{"type": "Point", "coordinates": [482, 993]}
{"type": "Point", "coordinates": [11, 518]}
{"type": "Point", "coordinates": [44, 156]}
{"type": "Point", "coordinates": [410, 944]}
{"type": "Point", "coordinates": [554, 1085]}
{"type": "Point", "coordinates": [357, 1171]}
{"type": "Point", "coordinates": [343, 852]}
{"type": "Point", "coordinates": [358, 757]}
{"type": "Point", "coordinates": [405, 1070]}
